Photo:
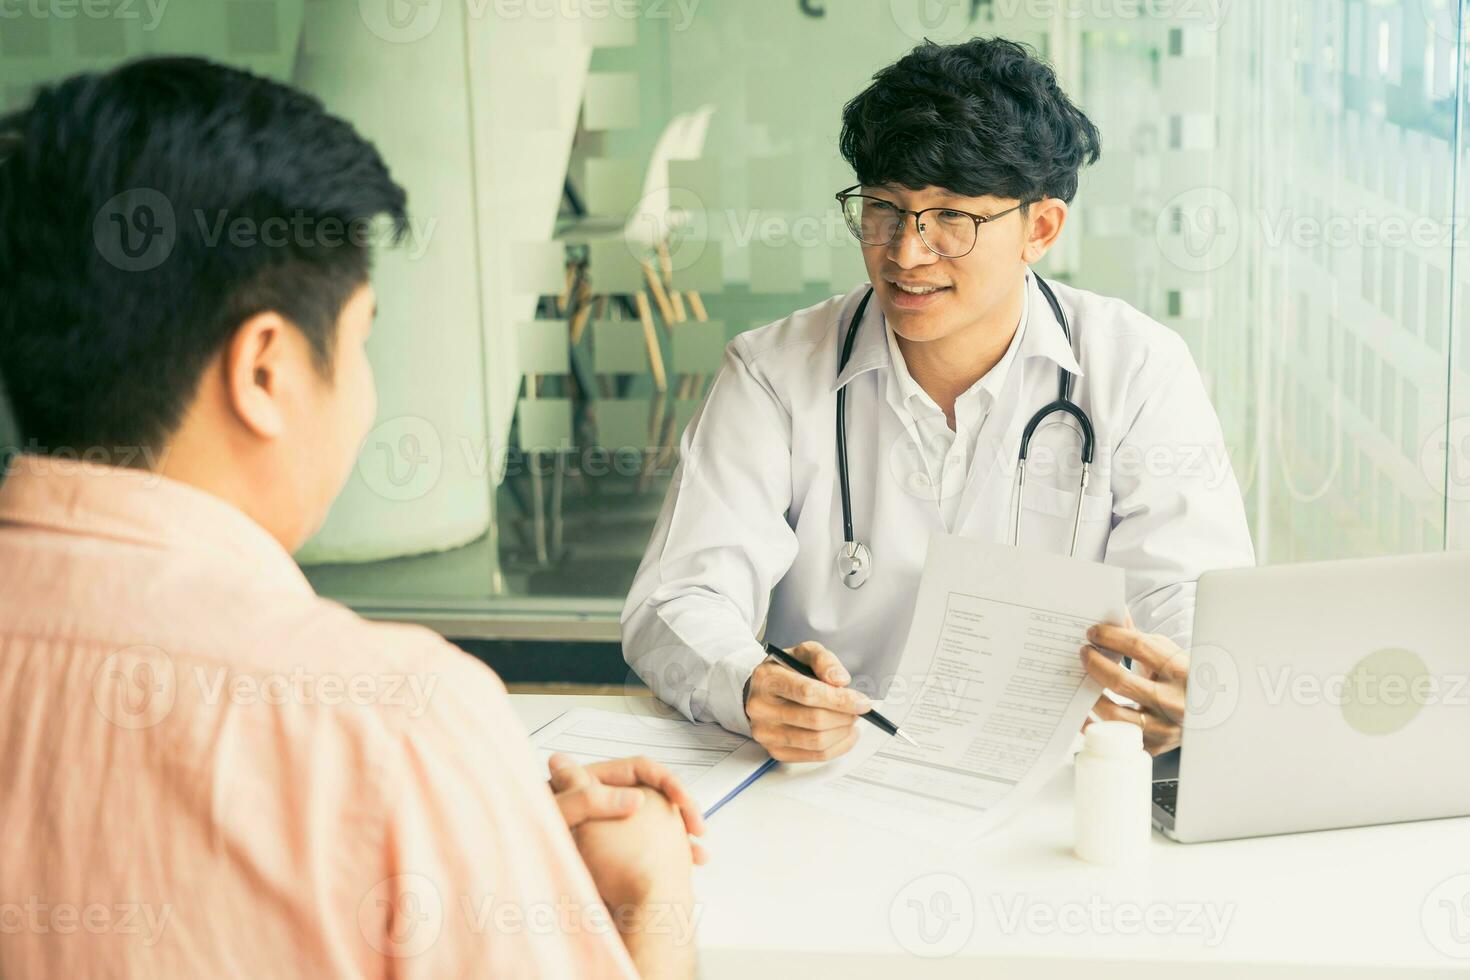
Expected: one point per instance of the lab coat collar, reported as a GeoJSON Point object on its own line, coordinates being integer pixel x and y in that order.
{"type": "Point", "coordinates": [1044, 337]}
{"type": "Point", "coordinates": [1041, 335]}
{"type": "Point", "coordinates": [870, 350]}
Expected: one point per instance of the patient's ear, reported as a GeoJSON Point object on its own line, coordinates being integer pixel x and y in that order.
{"type": "Point", "coordinates": [257, 365]}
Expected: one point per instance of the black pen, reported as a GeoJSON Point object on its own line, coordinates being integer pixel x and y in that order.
{"type": "Point", "coordinates": [884, 725]}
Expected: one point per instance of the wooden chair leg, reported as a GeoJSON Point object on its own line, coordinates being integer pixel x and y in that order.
{"type": "Point", "coordinates": [697, 305]}
{"type": "Point", "coordinates": [659, 296]}
{"type": "Point", "coordinates": [650, 339]}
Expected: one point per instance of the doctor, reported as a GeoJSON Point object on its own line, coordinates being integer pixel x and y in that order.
{"type": "Point", "coordinates": [966, 157]}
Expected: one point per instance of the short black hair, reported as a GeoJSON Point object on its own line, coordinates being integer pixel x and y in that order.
{"type": "Point", "coordinates": [145, 214]}
{"type": "Point", "coordinates": [984, 117]}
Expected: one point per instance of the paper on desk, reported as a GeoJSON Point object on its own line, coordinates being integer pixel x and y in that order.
{"type": "Point", "coordinates": [990, 684]}
{"type": "Point", "coordinates": [713, 764]}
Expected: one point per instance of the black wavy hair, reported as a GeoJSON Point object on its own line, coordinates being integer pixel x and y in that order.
{"type": "Point", "coordinates": [102, 342]}
{"type": "Point", "coordinates": [984, 117]}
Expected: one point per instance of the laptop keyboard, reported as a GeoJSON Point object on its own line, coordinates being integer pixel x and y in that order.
{"type": "Point", "coordinates": [1166, 792]}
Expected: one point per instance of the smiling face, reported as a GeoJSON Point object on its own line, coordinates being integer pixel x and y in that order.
{"type": "Point", "coordinates": [929, 297]}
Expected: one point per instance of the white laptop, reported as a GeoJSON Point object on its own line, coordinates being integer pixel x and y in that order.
{"type": "Point", "coordinates": [1331, 694]}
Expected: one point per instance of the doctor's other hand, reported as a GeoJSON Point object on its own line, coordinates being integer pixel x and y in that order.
{"type": "Point", "coordinates": [1157, 682]}
{"type": "Point", "coordinates": [798, 719]}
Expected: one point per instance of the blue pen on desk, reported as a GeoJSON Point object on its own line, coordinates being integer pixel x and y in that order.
{"type": "Point", "coordinates": [883, 724]}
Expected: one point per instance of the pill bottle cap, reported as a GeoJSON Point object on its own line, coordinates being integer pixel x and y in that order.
{"type": "Point", "coordinates": [1113, 738]}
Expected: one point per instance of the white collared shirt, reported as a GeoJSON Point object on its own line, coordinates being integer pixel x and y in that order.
{"type": "Point", "coordinates": [945, 453]}
{"type": "Point", "coordinates": [751, 528]}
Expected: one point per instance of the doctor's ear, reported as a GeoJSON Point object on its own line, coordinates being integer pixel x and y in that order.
{"type": "Point", "coordinates": [1044, 221]}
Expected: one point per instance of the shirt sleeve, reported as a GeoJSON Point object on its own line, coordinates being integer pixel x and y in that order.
{"type": "Point", "coordinates": [721, 543]}
{"type": "Point", "coordinates": [480, 875]}
{"type": "Point", "coordinates": [1176, 503]}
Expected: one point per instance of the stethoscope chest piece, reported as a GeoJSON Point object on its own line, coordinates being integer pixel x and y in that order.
{"type": "Point", "coordinates": [854, 564]}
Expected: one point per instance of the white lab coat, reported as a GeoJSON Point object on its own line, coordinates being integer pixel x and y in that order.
{"type": "Point", "coordinates": [751, 527]}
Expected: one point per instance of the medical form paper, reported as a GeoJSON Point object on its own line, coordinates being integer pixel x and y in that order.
{"type": "Point", "coordinates": [990, 684]}
{"type": "Point", "coordinates": [713, 764]}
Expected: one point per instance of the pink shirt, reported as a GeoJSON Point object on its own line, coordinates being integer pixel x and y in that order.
{"type": "Point", "coordinates": [208, 771]}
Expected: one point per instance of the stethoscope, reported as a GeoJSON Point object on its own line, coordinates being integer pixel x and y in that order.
{"type": "Point", "coordinates": [855, 559]}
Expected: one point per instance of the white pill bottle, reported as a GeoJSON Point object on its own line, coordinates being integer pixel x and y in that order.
{"type": "Point", "coordinates": [1113, 795]}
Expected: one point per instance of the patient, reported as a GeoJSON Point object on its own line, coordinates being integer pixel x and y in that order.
{"type": "Point", "coordinates": [207, 770]}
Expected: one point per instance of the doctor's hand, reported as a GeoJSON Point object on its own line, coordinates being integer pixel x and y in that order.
{"type": "Point", "coordinates": [1157, 682]}
{"type": "Point", "coordinates": [798, 719]}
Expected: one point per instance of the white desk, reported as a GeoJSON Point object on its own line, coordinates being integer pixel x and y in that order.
{"type": "Point", "coordinates": [790, 892]}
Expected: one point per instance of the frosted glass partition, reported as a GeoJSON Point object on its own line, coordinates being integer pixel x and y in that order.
{"type": "Point", "coordinates": [1279, 184]}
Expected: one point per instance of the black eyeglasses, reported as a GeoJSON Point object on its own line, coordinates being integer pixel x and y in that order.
{"type": "Point", "coordinates": [947, 232]}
